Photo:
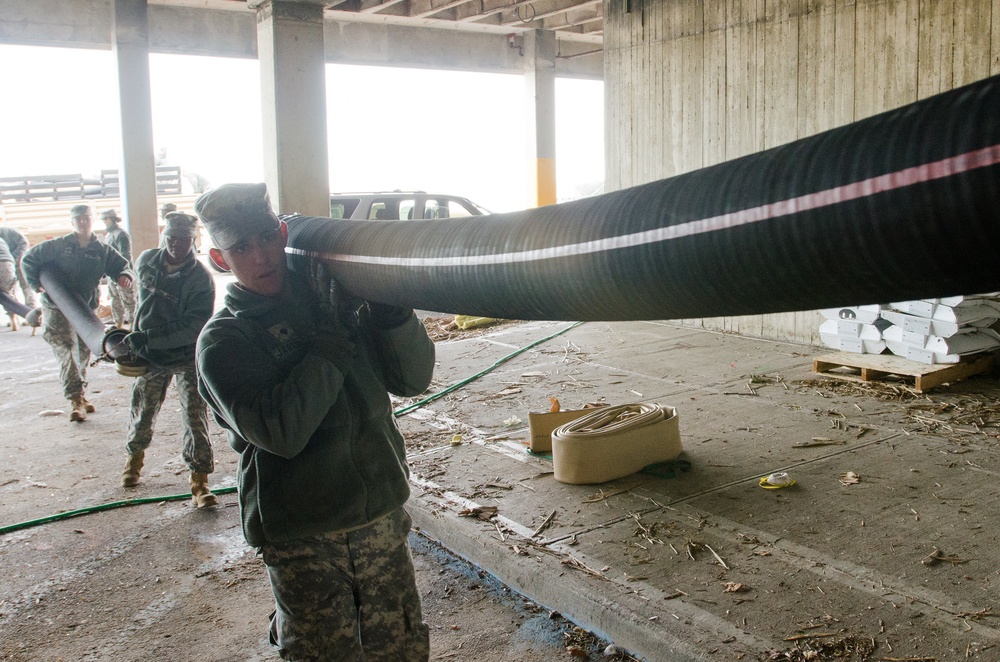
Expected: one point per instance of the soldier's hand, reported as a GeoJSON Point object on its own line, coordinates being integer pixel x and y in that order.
{"type": "Point", "coordinates": [323, 286]}
{"type": "Point", "coordinates": [136, 341]}
{"type": "Point", "coordinates": [125, 281]}
{"type": "Point", "coordinates": [335, 303]}
{"type": "Point", "coordinates": [333, 342]}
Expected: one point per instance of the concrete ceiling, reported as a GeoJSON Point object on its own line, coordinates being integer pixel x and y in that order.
{"type": "Point", "coordinates": [568, 18]}
{"type": "Point", "coordinates": [470, 35]}
{"type": "Point", "coordinates": [571, 20]}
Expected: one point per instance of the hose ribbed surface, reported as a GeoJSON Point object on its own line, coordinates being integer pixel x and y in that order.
{"type": "Point", "coordinates": [902, 205]}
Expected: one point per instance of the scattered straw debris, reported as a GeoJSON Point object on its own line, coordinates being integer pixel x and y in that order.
{"type": "Point", "coordinates": [813, 648]}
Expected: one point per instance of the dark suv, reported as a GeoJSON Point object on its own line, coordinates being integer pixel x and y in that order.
{"type": "Point", "coordinates": [401, 205]}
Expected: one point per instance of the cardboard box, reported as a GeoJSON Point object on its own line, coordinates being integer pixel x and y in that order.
{"type": "Point", "coordinates": [540, 426]}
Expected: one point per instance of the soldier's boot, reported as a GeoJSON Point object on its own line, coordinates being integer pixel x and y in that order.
{"type": "Point", "coordinates": [79, 412]}
{"type": "Point", "coordinates": [130, 476]}
{"type": "Point", "coordinates": [90, 409]}
{"type": "Point", "coordinates": [13, 322]}
{"type": "Point", "coordinates": [201, 497]}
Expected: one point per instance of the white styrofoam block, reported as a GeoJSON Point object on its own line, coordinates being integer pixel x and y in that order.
{"type": "Point", "coordinates": [858, 338]}
{"type": "Point", "coordinates": [864, 314]}
{"type": "Point", "coordinates": [848, 328]}
{"type": "Point", "coordinates": [937, 349]}
{"type": "Point", "coordinates": [966, 312]}
{"type": "Point", "coordinates": [921, 325]}
{"type": "Point", "coordinates": [962, 298]}
{"type": "Point", "coordinates": [964, 343]}
{"type": "Point", "coordinates": [917, 308]}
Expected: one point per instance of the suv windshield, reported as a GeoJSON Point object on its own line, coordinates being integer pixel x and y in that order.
{"type": "Point", "coordinates": [401, 206]}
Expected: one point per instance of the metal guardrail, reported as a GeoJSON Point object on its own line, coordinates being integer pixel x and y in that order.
{"type": "Point", "coordinates": [44, 220]}
{"type": "Point", "coordinates": [44, 188]}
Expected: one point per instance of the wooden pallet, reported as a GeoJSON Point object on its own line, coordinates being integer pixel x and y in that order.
{"type": "Point", "coordinates": [875, 367]}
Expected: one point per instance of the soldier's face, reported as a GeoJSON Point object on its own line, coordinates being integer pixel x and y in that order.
{"type": "Point", "coordinates": [258, 262]}
{"type": "Point", "coordinates": [83, 224]}
{"type": "Point", "coordinates": [178, 248]}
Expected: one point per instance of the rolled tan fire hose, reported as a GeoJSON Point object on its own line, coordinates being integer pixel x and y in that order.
{"type": "Point", "coordinates": [615, 441]}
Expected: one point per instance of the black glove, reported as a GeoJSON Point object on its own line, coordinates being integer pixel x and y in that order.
{"type": "Point", "coordinates": [385, 316]}
{"type": "Point", "coordinates": [136, 341]}
{"type": "Point", "coordinates": [334, 301]}
{"type": "Point", "coordinates": [332, 342]}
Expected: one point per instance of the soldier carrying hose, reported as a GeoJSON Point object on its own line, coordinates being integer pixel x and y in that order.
{"type": "Point", "coordinates": [82, 260]}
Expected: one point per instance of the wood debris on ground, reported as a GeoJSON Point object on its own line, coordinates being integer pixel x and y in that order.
{"type": "Point", "coordinates": [484, 513]}
{"type": "Point", "coordinates": [847, 648]}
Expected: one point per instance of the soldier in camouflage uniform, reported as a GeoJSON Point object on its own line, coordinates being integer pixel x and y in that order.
{"type": "Point", "coordinates": [122, 298]}
{"type": "Point", "coordinates": [8, 277]}
{"type": "Point", "coordinates": [298, 376]}
{"type": "Point", "coordinates": [81, 261]}
{"type": "Point", "coordinates": [18, 245]}
{"type": "Point", "coordinates": [176, 298]}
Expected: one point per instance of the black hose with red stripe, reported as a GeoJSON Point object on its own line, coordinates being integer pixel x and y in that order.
{"type": "Point", "coordinates": [903, 205]}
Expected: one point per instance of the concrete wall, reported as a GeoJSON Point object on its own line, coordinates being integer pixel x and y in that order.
{"type": "Point", "coordinates": [233, 33]}
{"type": "Point", "coordinates": [691, 83]}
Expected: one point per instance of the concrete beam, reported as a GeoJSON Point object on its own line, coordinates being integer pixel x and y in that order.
{"type": "Point", "coordinates": [351, 38]}
{"type": "Point", "coordinates": [293, 96]}
{"type": "Point", "coordinates": [138, 173]}
{"type": "Point", "coordinates": [540, 91]}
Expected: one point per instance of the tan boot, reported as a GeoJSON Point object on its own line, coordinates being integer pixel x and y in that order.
{"type": "Point", "coordinates": [13, 323]}
{"type": "Point", "coordinates": [89, 408]}
{"type": "Point", "coordinates": [79, 411]}
{"type": "Point", "coordinates": [200, 495]}
{"type": "Point", "coordinates": [130, 476]}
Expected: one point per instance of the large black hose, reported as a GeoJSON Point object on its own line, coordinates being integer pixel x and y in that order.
{"type": "Point", "coordinates": [13, 306]}
{"type": "Point", "coordinates": [101, 340]}
{"type": "Point", "coordinates": [903, 205]}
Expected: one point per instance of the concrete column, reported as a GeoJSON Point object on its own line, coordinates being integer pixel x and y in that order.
{"type": "Point", "coordinates": [540, 82]}
{"type": "Point", "coordinates": [293, 91]}
{"type": "Point", "coordinates": [137, 176]}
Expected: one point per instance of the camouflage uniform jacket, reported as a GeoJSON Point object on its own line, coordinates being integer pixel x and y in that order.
{"type": "Point", "coordinates": [319, 447]}
{"type": "Point", "coordinates": [119, 240]}
{"type": "Point", "coordinates": [173, 307]}
{"type": "Point", "coordinates": [5, 253]}
{"type": "Point", "coordinates": [16, 242]}
{"type": "Point", "coordinates": [82, 267]}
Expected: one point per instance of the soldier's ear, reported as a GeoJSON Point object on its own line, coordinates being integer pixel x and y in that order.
{"type": "Point", "coordinates": [215, 255]}
{"type": "Point", "coordinates": [284, 231]}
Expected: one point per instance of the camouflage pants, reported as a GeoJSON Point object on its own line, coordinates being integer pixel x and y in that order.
{"type": "Point", "coordinates": [70, 350]}
{"type": "Point", "coordinates": [7, 278]}
{"type": "Point", "coordinates": [348, 596]}
{"type": "Point", "coordinates": [122, 303]}
{"type": "Point", "coordinates": [148, 394]}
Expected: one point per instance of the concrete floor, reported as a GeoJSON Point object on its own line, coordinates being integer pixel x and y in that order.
{"type": "Point", "coordinates": [702, 566]}
{"type": "Point", "coordinates": [707, 565]}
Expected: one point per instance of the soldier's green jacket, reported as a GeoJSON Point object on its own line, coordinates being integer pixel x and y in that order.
{"type": "Point", "coordinates": [16, 242]}
{"type": "Point", "coordinates": [319, 447]}
{"type": "Point", "coordinates": [172, 308]}
{"type": "Point", "coordinates": [119, 240]}
{"type": "Point", "coordinates": [82, 268]}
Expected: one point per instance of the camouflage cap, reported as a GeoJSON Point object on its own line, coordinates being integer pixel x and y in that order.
{"type": "Point", "coordinates": [232, 212]}
{"type": "Point", "coordinates": [80, 210]}
{"type": "Point", "coordinates": [180, 224]}
{"type": "Point", "coordinates": [110, 213]}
